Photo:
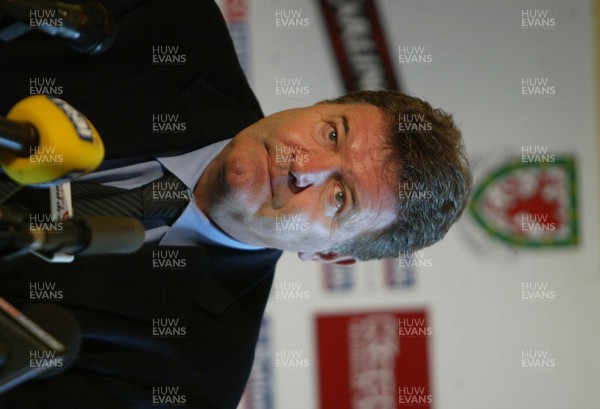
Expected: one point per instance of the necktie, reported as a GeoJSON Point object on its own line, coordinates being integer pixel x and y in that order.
{"type": "Point", "coordinates": [164, 198]}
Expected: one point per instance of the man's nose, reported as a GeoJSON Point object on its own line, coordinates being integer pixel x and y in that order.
{"type": "Point", "coordinates": [314, 170]}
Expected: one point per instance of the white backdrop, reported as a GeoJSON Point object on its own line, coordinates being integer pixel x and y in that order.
{"type": "Point", "coordinates": [471, 288]}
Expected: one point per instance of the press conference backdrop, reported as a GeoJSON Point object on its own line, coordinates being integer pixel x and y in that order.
{"type": "Point", "coordinates": [504, 311]}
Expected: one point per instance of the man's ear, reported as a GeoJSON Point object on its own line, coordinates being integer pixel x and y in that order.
{"type": "Point", "coordinates": [340, 259]}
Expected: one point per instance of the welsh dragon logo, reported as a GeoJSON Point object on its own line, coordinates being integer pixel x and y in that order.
{"type": "Point", "coordinates": [529, 204]}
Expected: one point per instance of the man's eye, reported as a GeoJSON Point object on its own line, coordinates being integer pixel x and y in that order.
{"type": "Point", "coordinates": [332, 135]}
{"type": "Point", "coordinates": [340, 197]}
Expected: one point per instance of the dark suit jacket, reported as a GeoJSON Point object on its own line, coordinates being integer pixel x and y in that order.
{"type": "Point", "coordinates": [220, 294]}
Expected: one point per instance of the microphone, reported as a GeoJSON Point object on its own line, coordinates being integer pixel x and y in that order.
{"type": "Point", "coordinates": [79, 235]}
{"type": "Point", "coordinates": [45, 141]}
{"type": "Point", "coordinates": [29, 350]}
{"type": "Point", "coordinates": [90, 28]}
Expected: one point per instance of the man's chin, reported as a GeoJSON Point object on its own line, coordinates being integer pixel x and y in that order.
{"type": "Point", "coordinates": [246, 172]}
{"type": "Point", "coordinates": [240, 175]}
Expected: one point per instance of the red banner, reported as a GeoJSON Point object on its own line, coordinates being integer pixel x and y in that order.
{"type": "Point", "coordinates": [359, 44]}
{"type": "Point", "coordinates": [375, 360]}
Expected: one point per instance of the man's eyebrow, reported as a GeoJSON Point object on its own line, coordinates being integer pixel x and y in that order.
{"type": "Point", "coordinates": [347, 216]}
{"type": "Point", "coordinates": [346, 126]}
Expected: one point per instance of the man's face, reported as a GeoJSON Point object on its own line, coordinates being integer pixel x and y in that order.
{"type": "Point", "coordinates": [303, 179]}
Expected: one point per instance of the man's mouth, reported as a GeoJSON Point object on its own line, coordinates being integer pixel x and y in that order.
{"type": "Point", "coordinates": [270, 171]}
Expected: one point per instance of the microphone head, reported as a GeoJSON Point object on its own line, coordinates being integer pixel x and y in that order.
{"type": "Point", "coordinates": [63, 326]}
{"type": "Point", "coordinates": [69, 145]}
{"type": "Point", "coordinates": [42, 342]}
{"type": "Point", "coordinates": [98, 30]}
